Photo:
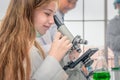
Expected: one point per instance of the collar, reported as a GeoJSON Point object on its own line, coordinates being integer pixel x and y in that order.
{"type": "Point", "coordinates": [38, 34]}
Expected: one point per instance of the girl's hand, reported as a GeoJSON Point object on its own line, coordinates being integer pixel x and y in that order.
{"type": "Point", "coordinates": [60, 46]}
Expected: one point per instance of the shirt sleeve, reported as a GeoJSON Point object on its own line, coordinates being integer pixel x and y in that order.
{"type": "Point", "coordinates": [47, 69]}
{"type": "Point", "coordinates": [50, 69]}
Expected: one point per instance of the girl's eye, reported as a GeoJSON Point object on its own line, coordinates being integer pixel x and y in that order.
{"type": "Point", "coordinates": [48, 14]}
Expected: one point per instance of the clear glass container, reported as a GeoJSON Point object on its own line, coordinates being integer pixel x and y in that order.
{"type": "Point", "coordinates": [115, 72]}
{"type": "Point", "coordinates": [101, 71]}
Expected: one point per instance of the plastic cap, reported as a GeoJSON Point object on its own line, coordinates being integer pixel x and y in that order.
{"type": "Point", "coordinates": [117, 1]}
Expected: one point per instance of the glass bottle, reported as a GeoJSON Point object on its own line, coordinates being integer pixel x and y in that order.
{"type": "Point", "coordinates": [116, 71]}
{"type": "Point", "coordinates": [101, 71]}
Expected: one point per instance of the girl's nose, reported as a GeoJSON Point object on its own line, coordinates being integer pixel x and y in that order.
{"type": "Point", "coordinates": [51, 20]}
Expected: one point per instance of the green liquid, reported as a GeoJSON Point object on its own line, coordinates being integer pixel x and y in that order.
{"type": "Point", "coordinates": [101, 75]}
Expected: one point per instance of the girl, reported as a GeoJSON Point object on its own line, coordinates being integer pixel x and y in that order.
{"type": "Point", "coordinates": [21, 57]}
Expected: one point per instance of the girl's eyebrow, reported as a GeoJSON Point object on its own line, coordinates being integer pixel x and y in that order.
{"type": "Point", "coordinates": [49, 10]}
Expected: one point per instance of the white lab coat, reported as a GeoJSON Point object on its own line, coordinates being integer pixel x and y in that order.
{"type": "Point", "coordinates": [113, 37]}
{"type": "Point", "coordinates": [48, 69]}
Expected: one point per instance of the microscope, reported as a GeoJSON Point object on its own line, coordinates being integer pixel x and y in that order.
{"type": "Point", "coordinates": [75, 40]}
{"type": "Point", "coordinates": [83, 60]}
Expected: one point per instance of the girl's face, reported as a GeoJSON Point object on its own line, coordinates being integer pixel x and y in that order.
{"type": "Point", "coordinates": [43, 17]}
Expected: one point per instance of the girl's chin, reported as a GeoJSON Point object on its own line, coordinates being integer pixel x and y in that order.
{"type": "Point", "coordinates": [43, 33]}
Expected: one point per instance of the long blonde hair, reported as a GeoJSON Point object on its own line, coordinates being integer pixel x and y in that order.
{"type": "Point", "coordinates": [17, 34]}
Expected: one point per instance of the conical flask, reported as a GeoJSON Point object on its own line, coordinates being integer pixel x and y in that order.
{"type": "Point", "coordinates": [101, 69]}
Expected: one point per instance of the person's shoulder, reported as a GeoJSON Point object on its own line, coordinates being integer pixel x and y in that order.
{"type": "Point", "coordinates": [115, 19]}
{"type": "Point", "coordinates": [34, 53]}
